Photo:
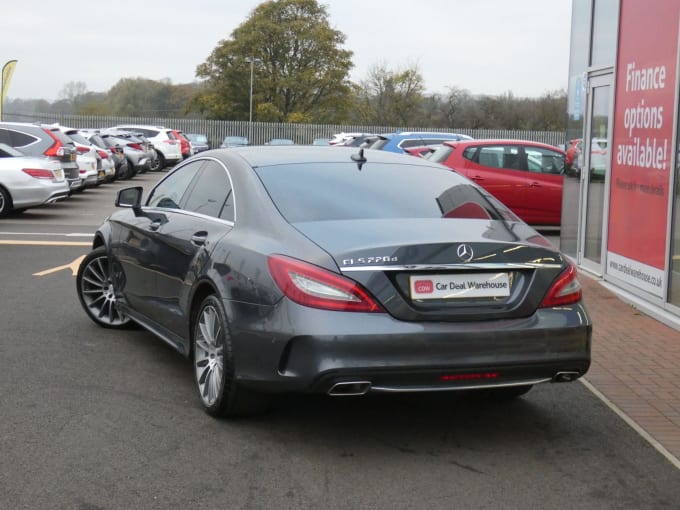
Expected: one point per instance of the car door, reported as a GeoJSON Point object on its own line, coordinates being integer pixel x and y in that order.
{"type": "Point", "coordinates": [497, 168]}
{"type": "Point", "coordinates": [545, 175]}
{"type": "Point", "coordinates": [140, 247]}
{"type": "Point", "coordinates": [187, 239]}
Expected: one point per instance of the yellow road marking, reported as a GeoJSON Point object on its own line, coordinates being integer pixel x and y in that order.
{"type": "Point", "coordinates": [46, 243]}
{"type": "Point", "coordinates": [73, 266]}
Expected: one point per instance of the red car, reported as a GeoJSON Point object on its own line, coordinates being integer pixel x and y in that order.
{"type": "Point", "coordinates": [184, 143]}
{"type": "Point", "coordinates": [526, 176]}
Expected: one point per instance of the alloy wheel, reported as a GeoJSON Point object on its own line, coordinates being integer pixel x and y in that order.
{"type": "Point", "coordinates": [96, 291]}
{"type": "Point", "coordinates": [209, 355]}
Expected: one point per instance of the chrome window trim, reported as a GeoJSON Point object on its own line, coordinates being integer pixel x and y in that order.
{"type": "Point", "coordinates": [447, 267]}
{"type": "Point", "coordinates": [200, 215]}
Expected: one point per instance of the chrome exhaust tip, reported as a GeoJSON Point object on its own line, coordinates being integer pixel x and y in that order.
{"type": "Point", "coordinates": [349, 388]}
{"type": "Point", "coordinates": [566, 376]}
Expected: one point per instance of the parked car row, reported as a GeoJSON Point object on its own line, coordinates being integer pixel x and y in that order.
{"type": "Point", "coordinates": [44, 163]}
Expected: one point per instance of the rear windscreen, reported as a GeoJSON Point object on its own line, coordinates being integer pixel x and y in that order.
{"type": "Point", "coordinates": [339, 191]}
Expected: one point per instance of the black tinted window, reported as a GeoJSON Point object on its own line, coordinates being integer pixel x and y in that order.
{"type": "Point", "coordinates": [379, 143]}
{"type": "Point", "coordinates": [171, 190]}
{"type": "Point", "coordinates": [337, 191]}
{"type": "Point", "coordinates": [441, 154]}
{"type": "Point", "coordinates": [19, 139]}
{"type": "Point", "coordinates": [210, 190]}
{"type": "Point", "coordinates": [77, 137]}
{"type": "Point", "coordinates": [544, 161]}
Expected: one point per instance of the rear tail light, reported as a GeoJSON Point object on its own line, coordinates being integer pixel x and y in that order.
{"type": "Point", "coordinates": [57, 148]}
{"type": "Point", "coordinates": [565, 290]}
{"type": "Point", "coordinates": [82, 150]}
{"type": "Point", "coordinates": [103, 154]}
{"type": "Point", "coordinates": [135, 146]}
{"type": "Point", "coordinates": [313, 286]}
{"type": "Point", "coordinates": [39, 173]}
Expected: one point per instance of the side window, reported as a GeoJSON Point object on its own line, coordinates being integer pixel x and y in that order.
{"type": "Point", "coordinates": [544, 161]}
{"type": "Point", "coordinates": [19, 139]}
{"type": "Point", "coordinates": [511, 158]}
{"type": "Point", "coordinates": [411, 143]}
{"type": "Point", "coordinates": [469, 153]}
{"type": "Point", "coordinates": [4, 137]}
{"type": "Point", "coordinates": [211, 192]}
{"type": "Point", "coordinates": [491, 157]}
{"type": "Point", "coordinates": [170, 191]}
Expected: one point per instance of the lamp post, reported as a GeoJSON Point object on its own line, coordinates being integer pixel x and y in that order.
{"type": "Point", "coordinates": [251, 61]}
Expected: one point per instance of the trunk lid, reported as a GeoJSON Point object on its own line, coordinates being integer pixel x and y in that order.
{"type": "Point", "coordinates": [443, 269]}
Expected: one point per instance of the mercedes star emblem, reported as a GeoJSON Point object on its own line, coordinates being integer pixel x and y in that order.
{"type": "Point", "coordinates": [465, 252]}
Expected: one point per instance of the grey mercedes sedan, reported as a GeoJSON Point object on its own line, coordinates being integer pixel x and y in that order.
{"type": "Point", "coordinates": [339, 271]}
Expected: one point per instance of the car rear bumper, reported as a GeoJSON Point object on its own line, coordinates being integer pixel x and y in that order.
{"type": "Point", "coordinates": [39, 193]}
{"type": "Point", "coordinates": [314, 350]}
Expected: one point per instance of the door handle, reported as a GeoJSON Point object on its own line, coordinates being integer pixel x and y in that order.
{"type": "Point", "coordinates": [477, 178]}
{"type": "Point", "coordinates": [535, 184]}
{"type": "Point", "coordinates": [199, 238]}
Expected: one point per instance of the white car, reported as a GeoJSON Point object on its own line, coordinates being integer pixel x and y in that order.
{"type": "Point", "coordinates": [106, 169]}
{"type": "Point", "coordinates": [343, 138]}
{"type": "Point", "coordinates": [28, 181]}
{"type": "Point", "coordinates": [164, 141]}
{"type": "Point", "coordinates": [86, 158]}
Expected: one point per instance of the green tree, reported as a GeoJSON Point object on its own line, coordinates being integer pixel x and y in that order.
{"type": "Point", "coordinates": [391, 98]}
{"type": "Point", "coordinates": [140, 96]}
{"type": "Point", "coordinates": [299, 69]}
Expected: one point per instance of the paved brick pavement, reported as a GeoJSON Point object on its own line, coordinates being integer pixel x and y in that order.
{"type": "Point", "coordinates": [635, 365]}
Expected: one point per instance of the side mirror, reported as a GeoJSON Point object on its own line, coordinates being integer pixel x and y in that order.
{"type": "Point", "coordinates": [130, 197]}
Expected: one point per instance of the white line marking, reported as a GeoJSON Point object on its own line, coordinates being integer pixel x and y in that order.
{"type": "Point", "coordinates": [642, 432]}
{"type": "Point", "coordinates": [43, 234]}
{"type": "Point", "coordinates": [43, 243]}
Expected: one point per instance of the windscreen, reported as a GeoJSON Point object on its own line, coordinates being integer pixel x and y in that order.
{"type": "Point", "coordinates": [340, 191]}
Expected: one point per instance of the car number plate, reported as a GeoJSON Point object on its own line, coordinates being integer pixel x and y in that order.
{"type": "Point", "coordinates": [457, 286]}
{"type": "Point", "coordinates": [59, 174]}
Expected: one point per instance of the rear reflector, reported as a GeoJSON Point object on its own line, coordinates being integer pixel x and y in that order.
{"type": "Point", "coordinates": [482, 376]}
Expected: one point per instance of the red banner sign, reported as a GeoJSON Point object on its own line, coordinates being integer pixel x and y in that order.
{"type": "Point", "coordinates": [642, 148]}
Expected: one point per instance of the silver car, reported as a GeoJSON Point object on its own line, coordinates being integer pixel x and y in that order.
{"type": "Point", "coordinates": [27, 181]}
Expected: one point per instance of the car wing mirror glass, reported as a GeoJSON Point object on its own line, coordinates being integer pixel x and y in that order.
{"type": "Point", "coordinates": [130, 197]}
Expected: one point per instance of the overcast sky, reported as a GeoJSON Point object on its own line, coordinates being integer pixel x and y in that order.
{"type": "Point", "coordinates": [485, 46]}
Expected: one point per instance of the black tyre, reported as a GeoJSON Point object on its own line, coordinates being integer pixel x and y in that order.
{"type": "Point", "coordinates": [214, 365]}
{"type": "Point", "coordinates": [95, 286]}
{"type": "Point", "coordinates": [122, 172]}
{"type": "Point", "coordinates": [159, 163]}
{"type": "Point", "coordinates": [132, 169]}
{"type": "Point", "coordinates": [5, 203]}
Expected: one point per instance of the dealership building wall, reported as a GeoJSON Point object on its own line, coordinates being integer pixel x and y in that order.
{"type": "Point", "coordinates": [620, 209]}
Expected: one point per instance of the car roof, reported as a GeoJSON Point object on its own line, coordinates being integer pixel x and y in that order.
{"type": "Point", "coordinates": [501, 141]}
{"type": "Point", "coordinates": [269, 155]}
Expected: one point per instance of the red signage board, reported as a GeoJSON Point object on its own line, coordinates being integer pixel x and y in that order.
{"type": "Point", "coordinates": [642, 148]}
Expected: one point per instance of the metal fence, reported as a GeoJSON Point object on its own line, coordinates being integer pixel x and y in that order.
{"type": "Point", "coordinates": [261, 132]}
